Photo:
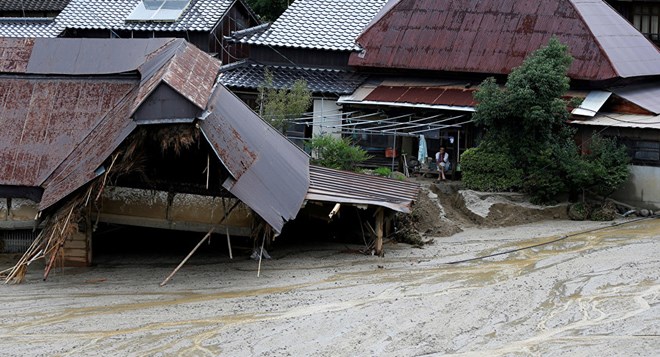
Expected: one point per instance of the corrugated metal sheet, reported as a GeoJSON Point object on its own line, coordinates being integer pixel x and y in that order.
{"type": "Point", "coordinates": [192, 73]}
{"type": "Point", "coordinates": [90, 152]}
{"type": "Point", "coordinates": [592, 103]}
{"type": "Point", "coordinates": [188, 70]}
{"type": "Point", "coordinates": [43, 120]}
{"type": "Point", "coordinates": [92, 56]}
{"type": "Point", "coordinates": [337, 186]}
{"type": "Point", "coordinates": [622, 121]}
{"type": "Point", "coordinates": [495, 36]}
{"type": "Point", "coordinates": [646, 96]}
{"type": "Point", "coordinates": [15, 54]}
{"type": "Point", "coordinates": [450, 96]}
{"type": "Point", "coordinates": [269, 173]}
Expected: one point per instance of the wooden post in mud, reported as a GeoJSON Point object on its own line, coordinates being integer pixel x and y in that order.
{"type": "Point", "coordinates": [380, 215]}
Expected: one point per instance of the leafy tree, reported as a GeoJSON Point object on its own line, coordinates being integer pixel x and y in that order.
{"type": "Point", "coordinates": [528, 114]}
{"type": "Point", "coordinates": [278, 106]}
{"type": "Point", "coordinates": [336, 153]}
{"type": "Point", "coordinates": [527, 135]}
{"type": "Point", "coordinates": [269, 10]}
{"type": "Point", "coordinates": [602, 169]}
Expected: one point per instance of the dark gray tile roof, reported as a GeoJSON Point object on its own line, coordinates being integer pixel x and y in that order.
{"type": "Point", "coordinates": [33, 5]}
{"type": "Point", "coordinates": [200, 15]}
{"type": "Point", "coordinates": [249, 75]}
{"type": "Point", "coordinates": [320, 24]}
{"type": "Point", "coordinates": [16, 28]}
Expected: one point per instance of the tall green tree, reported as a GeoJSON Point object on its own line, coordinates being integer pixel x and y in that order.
{"type": "Point", "coordinates": [528, 113]}
{"type": "Point", "coordinates": [279, 106]}
{"type": "Point", "coordinates": [526, 134]}
{"type": "Point", "coordinates": [269, 10]}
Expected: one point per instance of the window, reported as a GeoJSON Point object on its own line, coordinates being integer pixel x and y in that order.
{"type": "Point", "coordinates": [643, 152]}
{"type": "Point", "coordinates": [646, 20]}
{"type": "Point", "coordinates": [158, 10]}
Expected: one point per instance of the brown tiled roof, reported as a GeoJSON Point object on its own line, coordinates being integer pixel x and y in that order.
{"type": "Point", "coordinates": [494, 36]}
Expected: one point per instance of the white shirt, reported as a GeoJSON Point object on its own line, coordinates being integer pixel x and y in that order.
{"type": "Point", "coordinates": [444, 159]}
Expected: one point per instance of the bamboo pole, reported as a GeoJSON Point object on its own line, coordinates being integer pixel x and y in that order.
{"type": "Point", "coordinates": [187, 257]}
{"type": "Point", "coordinates": [196, 247]}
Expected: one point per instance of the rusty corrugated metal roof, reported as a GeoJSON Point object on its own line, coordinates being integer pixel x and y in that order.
{"type": "Point", "coordinates": [62, 128]}
{"type": "Point", "coordinates": [15, 54]}
{"type": "Point", "coordinates": [494, 36]}
{"type": "Point", "coordinates": [441, 95]}
{"type": "Point", "coordinates": [43, 120]}
{"type": "Point", "coordinates": [268, 172]}
{"type": "Point", "coordinates": [338, 186]}
{"type": "Point", "coordinates": [79, 168]}
{"type": "Point", "coordinates": [185, 68]}
{"type": "Point", "coordinates": [60, 122]}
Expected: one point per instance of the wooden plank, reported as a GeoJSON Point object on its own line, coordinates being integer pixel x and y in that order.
{"type": "Point", "coordinates": [75, 244]}
{"type": "Point", "coordinates": [70, 253]}
{"type": "Point", "coordinates": [241, 231]}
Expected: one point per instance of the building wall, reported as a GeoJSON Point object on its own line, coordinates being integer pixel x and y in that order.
{"type": "Point", "coordinates": [237, 18]}
{"type": "Point", "coordinates": [642, 188]}
{"type": "Point", "coordinates": [326, 114]}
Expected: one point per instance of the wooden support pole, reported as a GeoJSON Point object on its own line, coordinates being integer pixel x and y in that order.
{"type": "Point", "coordinates": [187, 257]}
{"type": "Point", "coordinates": [380, 215]}
{"type": "Point", "coordinates": [261, 253]}
{"type": "Point", "coordinates": [224, 209]}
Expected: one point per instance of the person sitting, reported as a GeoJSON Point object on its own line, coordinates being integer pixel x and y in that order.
{"type": "Point", "coordinates": [442, 159]}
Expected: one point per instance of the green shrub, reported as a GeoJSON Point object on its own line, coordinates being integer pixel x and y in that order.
{"type": "Point", "coordinates": [336, 153]}
{"type": "Point", "coordinates": [544, 180]}
{"type": "Point", "coordinates": [609, 164]}
{"type": "Point", "coordinates": [382, 171]}
{"type": "Point", "coordinates": [489, 171]}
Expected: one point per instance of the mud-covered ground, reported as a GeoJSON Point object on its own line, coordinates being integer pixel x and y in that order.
{"type": "Point", "coordinates": [594, 293]}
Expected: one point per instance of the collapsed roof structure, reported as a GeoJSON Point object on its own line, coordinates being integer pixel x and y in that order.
{"type": "Point", "coordinates": [60, 129]}
{"type": "Point", "coordinates": [136, 122]}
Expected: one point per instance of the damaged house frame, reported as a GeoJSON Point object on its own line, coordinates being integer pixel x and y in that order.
{"type": "Point", "coordinates": [136, 132]}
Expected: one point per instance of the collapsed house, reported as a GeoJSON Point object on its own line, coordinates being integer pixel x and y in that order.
{"type": "Point", "coordinates": [135, 132]}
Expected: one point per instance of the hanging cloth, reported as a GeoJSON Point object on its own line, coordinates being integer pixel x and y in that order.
{"type": "Point", "coordinates": [422, 152]}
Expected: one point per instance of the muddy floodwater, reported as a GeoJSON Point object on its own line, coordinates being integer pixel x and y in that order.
{"type": "Point", "coordinates": [592, 293]}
